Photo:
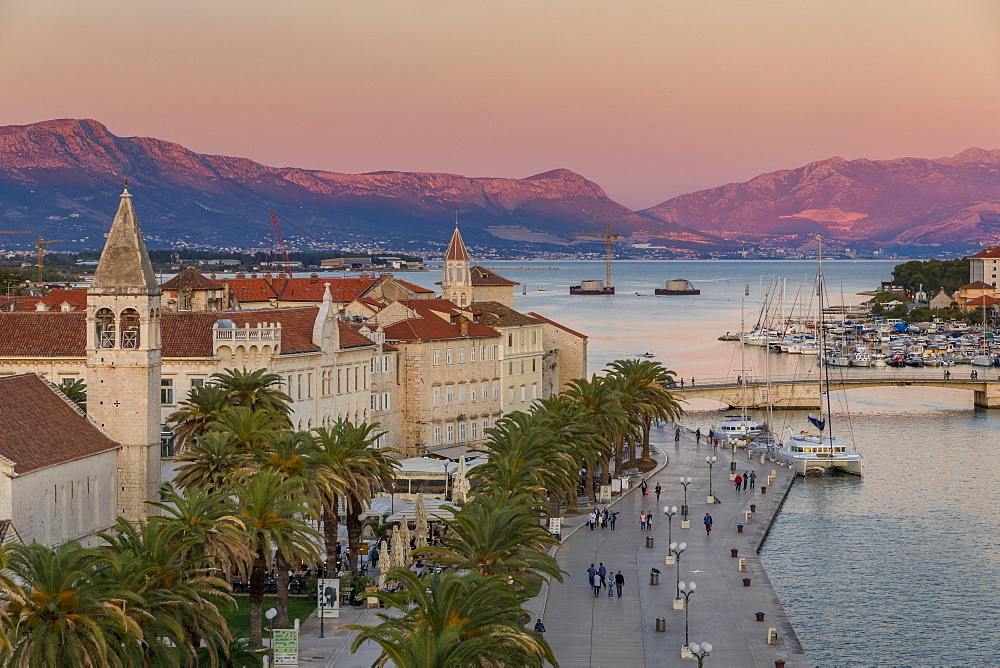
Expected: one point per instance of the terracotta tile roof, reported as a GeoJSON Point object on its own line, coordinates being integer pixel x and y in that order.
{"type": "Point", "coordinates": [483, 276]}
{"type": "Point", "coordinates": [496, 314]}
{"type": "Point", "coordinates": [191, 279]}
{"type": "Point", "coordinates": [188, 333]}
{"type": "Point", "coordinates": [977, 285]}
{"type": "Point", "coordinates": [456, 247]}
{"type": "Point", "coordinates": [43, 334]}
{"type": "Point", "coordinates": [430, 325]}
{"type": "Point", "coordinates": [556, 324]}
{"type": "Point", "coordinates": [75, 297]}
{"type": "Point", "coordinates": [344, 289]}
{"type": "Point", "coordinates": [992, 252]}
{"type": "Point", "coordinates": [18, 303]}
{"type": "Point", "coordinates": [984, 300]}
{"type": "Point", "coordinates": [38, 428]}
{"type": "Point", "coordinates": [351, 338]}
{"type": "Point", "coordinates": [185, 333]}
{"type": "Point", "coordinates": [413, 287]}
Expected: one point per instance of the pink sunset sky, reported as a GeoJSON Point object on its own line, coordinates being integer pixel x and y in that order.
{"type": "Point", "coordinates": [649, 98]}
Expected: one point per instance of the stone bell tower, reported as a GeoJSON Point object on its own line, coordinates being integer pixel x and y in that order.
{"type": "Point", "coordinates": [123, 360]}
{"type": "Point", "coordinates": [456, 279]}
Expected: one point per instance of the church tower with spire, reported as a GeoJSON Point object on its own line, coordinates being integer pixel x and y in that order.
{"type": "Point", "coordinates": [456, 279]}
{"type": "Point", "coordinates": [123, 359]}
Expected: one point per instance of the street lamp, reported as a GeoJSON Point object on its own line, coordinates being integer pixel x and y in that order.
{"type": "Point", "coordinates": [684, 483]}
{"type": "Point", "coordinates": [321, 586]}
{"type": "Point", "coordinates": [271, 614]}
{"type": "Point", "coordinates": [676, 550]}
{"type": "Point", "coordinates": [732, 456]}
{"type": "Point", "coordinates": [700, 651]}
{"type": "Point", "coordinates": [711, 462]}
{"type": "Point", "coordinates": [670, 511]}
{"type": "Point", "coordinates": [686, 589]}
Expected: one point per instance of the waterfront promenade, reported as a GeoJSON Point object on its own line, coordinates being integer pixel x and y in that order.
{"type": "Point", "coordinates": [588, 631]}
{"type": "Point", "coordinates": [585, 631]}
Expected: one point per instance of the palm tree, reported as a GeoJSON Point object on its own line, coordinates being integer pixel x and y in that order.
{"type": "Point", "coordinates": [575, 435]}
{"type": "Point", "coordinates": [524, 458]}
{"type": "Point", "coordinates": [452, 621]}
{"type": "Point", "coordinates": [210, 463]}
{"type": "Point", "coordinates": [256, 390]}
{"type": "Point", "coordinates": [645, 383]}
{"type": "Point", "coordinates": [180, 593]}
{"type": "Point", "coordinates": [208, 523]}
{"type": "Point", "coordinates": [496, 535]}
{"type": "Point", "coordinates": [67, 612]}
{"type": "Point", "coordinates": [76, 391]}
{"type": "Point", "coordinates": [348, 453]}
{"type": "Point", "coordinates": [250, 428]}
{"type": "Point", "coordinates": [201, 408]}
{"type": "Point", "coordinates": [270, 506]}
{"type": "Point", "coordinates": [601, 402]}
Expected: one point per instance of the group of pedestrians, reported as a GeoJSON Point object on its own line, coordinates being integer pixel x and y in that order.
{"type": "Point", "coordinates": [604, 518]}
{"type": "Point", "coordinates": [646, 521]}
{"type": "Point", "coordinates": [603, 578]}
{"type": "Point", "coordinates": [748, 478]}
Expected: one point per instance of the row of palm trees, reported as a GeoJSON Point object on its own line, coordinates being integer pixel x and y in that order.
{"type": "Point", "coordinates": [248, 486]}
{"type": "Point", "coordinates": [495, 549]}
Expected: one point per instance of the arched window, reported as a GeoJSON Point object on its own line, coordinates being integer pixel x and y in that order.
{"type": "Point", "coordinates": [130, 328]}
{"type": "Point", "coordinates": [104, 323]}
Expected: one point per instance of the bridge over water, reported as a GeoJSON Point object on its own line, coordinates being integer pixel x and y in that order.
{"type": "Point", "coordinates": [788, 393]}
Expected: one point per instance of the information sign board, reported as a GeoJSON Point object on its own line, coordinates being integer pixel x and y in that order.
{"type": "Point", "coordinates": [285, 643]}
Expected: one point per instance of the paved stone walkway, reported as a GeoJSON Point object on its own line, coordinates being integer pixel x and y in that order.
{"type": "Point", "coordinates": [588, 631]}
{"type": "Point", "coordinates": [585, 631]}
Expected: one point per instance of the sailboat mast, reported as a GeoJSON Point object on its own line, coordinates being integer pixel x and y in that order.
{"type": "Point", "coordinates": [743, 372]}
{"type": "Point", "coordinates": [824, 368]}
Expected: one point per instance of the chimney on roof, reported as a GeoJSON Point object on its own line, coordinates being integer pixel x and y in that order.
{"type": "Point", "coordinates": [463, 324]}
{"type": "Point", "coordinates": [269, 278]}
{"type": "Point", "coordinates": [241, 275]}
{"type": "Point", "coordinates": [314, 278]}
{"type": "Point", "coordinates": [212, 275]}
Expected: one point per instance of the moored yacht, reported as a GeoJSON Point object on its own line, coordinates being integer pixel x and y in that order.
{"type": "Point", "coordinates": [738, 427]}
{"type": "Point", "coordinates": [804, 451]}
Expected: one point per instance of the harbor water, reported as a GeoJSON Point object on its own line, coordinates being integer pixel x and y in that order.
{"type": "Point", "coordinates": [900, 567]}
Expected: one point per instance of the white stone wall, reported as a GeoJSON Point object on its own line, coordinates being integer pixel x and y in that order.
{"type": "Point", "coordinates": [521, 371]}
{"type": "Point", "coordinates": [69, 501]}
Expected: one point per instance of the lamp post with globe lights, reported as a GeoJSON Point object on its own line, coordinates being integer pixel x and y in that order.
{"type": "Point", "coordinates": [711, 463]}
{"type": "Point", "coordinates": [670, 511]}
{"type": "Point", "coordinates": [270, 615]}
{"type": "Point", "coordinates": [676, 550]}
{"type": "Point", "coordinates": [700, 651]}
{"type": "Point", "coordinates": [685, 589]}
{"type": "Point", "coordinates": [685, 481]}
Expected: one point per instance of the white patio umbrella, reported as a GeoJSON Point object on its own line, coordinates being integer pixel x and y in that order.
{"type": "Point", "coordinates": [460, 491]}
{"type": "Point", "coordinates": [421, 523]}
{"type": "Point", "coordinates": [404, 539]}
{"type": "Point", "coordinates": [396, 556]}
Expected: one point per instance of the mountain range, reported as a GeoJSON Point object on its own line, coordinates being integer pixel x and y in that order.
{"type": "Point", "coordinates": [61, 178]}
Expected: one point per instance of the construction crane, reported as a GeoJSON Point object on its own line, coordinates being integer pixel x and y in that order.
{"type": "Point", "coordinates": [40, 245]}
{"type": "Point", "coordinates": [608, 238]}
{"type": "Point", "coordinates": [279, 241]}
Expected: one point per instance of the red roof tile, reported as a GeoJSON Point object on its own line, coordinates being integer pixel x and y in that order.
{"type": "Point", "coordinates": [38, 428]}
{"type": "Point", "coordinates": [992, 252]}
{"type": "Point", "coordinates": [191, 279]}
{"type": "Point", "coordinates": [556, 324]}
{"type": "Point", "coordinates": [75, 297]}
{"type": "Point", "coordinates": [413, 286]}
{"type": "Point", "coordinates": [456, 247]}
{"type": "Point", "coordinates": [43, 334]}
{"type": "Point", "coordinates": [977, 285]}
{"type": "Point", "coordinates": [483, 276]}
{"type": "Point", "coordinates": [429, 325]}
{"type": "Point", "coordinates": [496, 314]}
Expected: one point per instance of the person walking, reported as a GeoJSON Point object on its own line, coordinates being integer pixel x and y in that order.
{"type": "Point", "coordinates": [604, 519]}
{"type": "Point", "coordinates": [539, 627]}
{"type": "Point", "coordinates": [642, 520]}
{"type": "Point", "coordinates": [611, 584]}
{"type": "Point", "coordinates": [592, 574]}
{"type": "Point", "coordinates": [738, 481]}
{"type": "Point", "coordinates": [677, 435]}
{"type": "Point", "coordinates": [708, 524]}
{"type": "Point", "coordinates": [602, 573]}
{"type": "Point", "coordinates": [753, 479]}
{"type": "Point", "coordinates": [658, 489]}
{"type": "Point", "coordinates": [612, 518]}
{"type": "Point", "coordinates": [619, 583]}
{"type": "Point", "coordinates": [746, 479]}
{"type": "Point", "coordinates": [644, 487]}
{"type": "Point", "coordinates": [697, 432]}
{"type": "Point", "coordinates": [649, 521]}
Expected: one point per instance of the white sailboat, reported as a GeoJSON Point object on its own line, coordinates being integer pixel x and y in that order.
{"type": "Point", "coordinates": [740, 427]}
{"type": "Point", "coordinates": [807, 452]}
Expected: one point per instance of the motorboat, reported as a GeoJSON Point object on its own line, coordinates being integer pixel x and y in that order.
{"type": "Point", "coordinates": [982, 360]}
{"type": "Point", "coordinates": [739, 428]}
{"type": "Point", "coordinates": [860, 357]}
{"type": "Point", "coordinates": [878, 361]}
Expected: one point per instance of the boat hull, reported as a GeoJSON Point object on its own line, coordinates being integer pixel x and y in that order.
{"type": "Point", "coordinates": [578, 290]}
{"type": "Point", "coordinates": [663, 291]}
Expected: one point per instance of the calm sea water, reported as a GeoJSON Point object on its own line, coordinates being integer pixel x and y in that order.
{"type": "Point", "coordinates": [900, 567]}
